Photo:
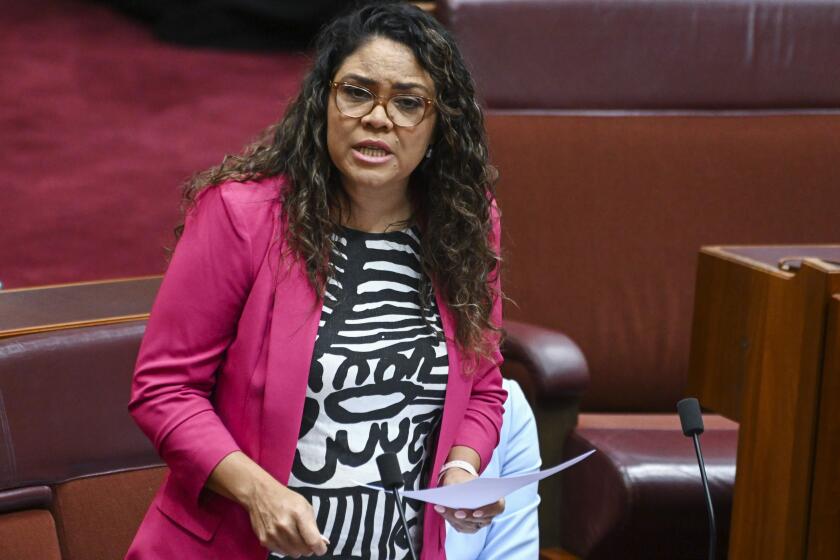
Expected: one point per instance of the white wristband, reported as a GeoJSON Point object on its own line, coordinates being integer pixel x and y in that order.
{"type": "Point", "coordinates": [457, 464]}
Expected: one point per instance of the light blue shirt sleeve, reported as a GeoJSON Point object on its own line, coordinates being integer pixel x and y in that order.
{"type": "Point", "coordinates": [513, 535]}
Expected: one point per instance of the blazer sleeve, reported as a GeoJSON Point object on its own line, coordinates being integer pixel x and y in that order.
{"type": "Point", "coordinates": [483, 418]}
{"type": "Point", "coordinates": [192, 323]}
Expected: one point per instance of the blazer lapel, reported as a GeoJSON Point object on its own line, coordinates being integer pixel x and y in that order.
{"type": "Point", "coordinates": [294, 326]}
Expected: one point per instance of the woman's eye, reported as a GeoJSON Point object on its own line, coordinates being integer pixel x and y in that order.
{"type": "Point", "coordinates": [408, 102]}
{"type": "Point", "coordinates": [356, 93]}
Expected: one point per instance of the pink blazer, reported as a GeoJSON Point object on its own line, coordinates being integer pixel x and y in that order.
{"type": "Point", "coordinates": [224, 365]}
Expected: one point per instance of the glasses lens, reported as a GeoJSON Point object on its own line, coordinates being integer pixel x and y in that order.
{"type": "Point", "coordinates": [406, 110]}
{"type": "Point", "coordinates": [353, 101]}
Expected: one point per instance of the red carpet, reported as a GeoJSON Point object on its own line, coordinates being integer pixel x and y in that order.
{"type": "Point", "coordinates": [99, 125]}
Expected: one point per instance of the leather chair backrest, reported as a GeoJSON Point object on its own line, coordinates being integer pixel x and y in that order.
{"type": "Point", "coordinates": [77, 472]}
{"type": "Point", "coordinates": [630, 134]}
{"type": "Point", "coordinates": [63, 398]}
{"type": "Point", "coordinates": [650, 54]}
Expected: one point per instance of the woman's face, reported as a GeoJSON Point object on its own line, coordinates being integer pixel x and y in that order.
{"type": "Point", "coordinates": [371, 152]}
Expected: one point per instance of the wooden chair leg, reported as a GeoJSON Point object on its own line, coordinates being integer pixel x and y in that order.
{"type": "Point", "coordinates": [556, 554]}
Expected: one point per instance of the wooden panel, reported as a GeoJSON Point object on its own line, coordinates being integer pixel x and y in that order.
{"type": "Point", "coordinates": [757, 357]}
{"type": "Point", "coordinates": [787, 257]}
{"type": "Point", "coordinates": [824, 536]}
{"type": "Point", "coordinates": [779, 417]}
{"type": "Point", "coordinates": [46, 308]}
{"type": "Point", "coordinates": [730, 304]}
{"type": "Point", "coordinates": [556, 554]}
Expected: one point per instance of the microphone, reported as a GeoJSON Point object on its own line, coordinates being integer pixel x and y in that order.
{"type": "Point", "coordinates": [692, 426]}
{"type": "Point", "coordinates": [392, 479]}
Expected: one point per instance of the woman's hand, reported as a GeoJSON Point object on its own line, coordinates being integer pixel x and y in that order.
{"type": "Point", "coordinates": [282, 519]}
{"type": "Point", "coordinates": [467, 520]}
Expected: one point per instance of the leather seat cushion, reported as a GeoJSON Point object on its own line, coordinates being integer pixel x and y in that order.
{"type": "Point", "coordinates": [99, 516]}
{"type": "Point", "coordinates": [640, 494]}
{"type": "Point", "coordinates": [28, 535]}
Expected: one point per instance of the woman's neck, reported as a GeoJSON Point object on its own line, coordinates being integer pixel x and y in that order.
{"type": "Point", "coordinates": [376, 210]}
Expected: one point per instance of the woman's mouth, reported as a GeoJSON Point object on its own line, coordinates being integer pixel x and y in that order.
{"type": "Point", "coordinates": [373, 152]}
{"type": "Point", "coordinates": [369, 154]}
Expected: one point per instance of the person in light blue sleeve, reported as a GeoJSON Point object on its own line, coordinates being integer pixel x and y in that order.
{"type": "Point", "coordinates": [514, 534]}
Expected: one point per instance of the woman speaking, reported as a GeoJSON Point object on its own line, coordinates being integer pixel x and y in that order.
{"type": "Point", "coordinates": [334, 295]}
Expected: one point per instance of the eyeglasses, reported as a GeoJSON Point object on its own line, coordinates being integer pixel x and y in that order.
{"type": "Point", "coordinates": [403, 109]}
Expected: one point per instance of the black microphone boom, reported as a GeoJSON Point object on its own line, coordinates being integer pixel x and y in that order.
{"type": "Point", "coordinates": [691, 420]}
{"type": "Point", "coordinates": [392, 479]}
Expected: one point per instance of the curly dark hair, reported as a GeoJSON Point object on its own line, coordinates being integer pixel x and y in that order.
{"type": "Point", "coordinates": [452, 192]}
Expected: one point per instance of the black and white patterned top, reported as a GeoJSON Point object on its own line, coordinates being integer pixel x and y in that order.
{"type": "Point", "coordinates": [377, 384]}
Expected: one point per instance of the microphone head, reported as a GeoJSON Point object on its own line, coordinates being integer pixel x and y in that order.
{"type": "Point", "coordinates": [389, 471]}
{"type": "Point", "coordinates": [690, 416]}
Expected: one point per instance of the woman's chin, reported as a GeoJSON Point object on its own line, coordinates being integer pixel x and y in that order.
{"type": "Point", "coordinates": [373, 180]}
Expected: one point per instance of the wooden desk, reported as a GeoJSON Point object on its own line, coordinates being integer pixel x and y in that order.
{"type": "Point", "coordinates": [62, 306]}
{"type": "Point", "coordinates": [765, 352]}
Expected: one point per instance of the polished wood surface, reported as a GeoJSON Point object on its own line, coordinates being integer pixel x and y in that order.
{"type": "Point", "coordinates": [729, 310]}
{"type": "Point", "coordinates": [757, 357]}
{"type": "Point", "coordinates": [824, 534]}
{"type": "Point", "coordinates": [48, 308]}
{"type": "Point", "coordinates": [556, 554]}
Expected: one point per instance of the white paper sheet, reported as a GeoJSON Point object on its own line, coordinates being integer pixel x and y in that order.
{"type": "Point", "coordinates": [482, 491]}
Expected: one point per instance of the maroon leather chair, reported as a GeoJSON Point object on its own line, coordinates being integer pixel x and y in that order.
{"type": "Point", "coordinates": [76, 474]}
{"type": "Point", "coordinates": [628, 135]}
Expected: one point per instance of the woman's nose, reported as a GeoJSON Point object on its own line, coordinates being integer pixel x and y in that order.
{"type": "Point", "coordinates": [378, 117]}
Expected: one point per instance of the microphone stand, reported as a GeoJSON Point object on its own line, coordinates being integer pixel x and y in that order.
{"type": "Point", "coordinates": [401, 509]}
{"type": "Point", "coordinates": [709, 507]}
{"type": "Point", "coordinates": [691, 420]}
{"type": "Point", "coordinates": [392, 479]}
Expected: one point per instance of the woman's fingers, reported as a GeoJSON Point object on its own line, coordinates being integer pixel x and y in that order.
{"type": "Point", "coordinates": [467, 520]}
{"type": "Point", "coordinates": [263, 527]}
{"type": "Point", "coordinates": [487, 512]}
{"type": "Point", "coordinates": [281, 538]}
{"type": "Point", "coordinates": [490, 510]}
{"type": "Point", "coordinates": [284, 522]}
{"type": "Point", "coordinates": [310, 535]}
{"type": "Point", "coordinates": [300, 535]}
{"type": "Point", "coordinates": [468, 525]}
{"type": "Point", "coordinates": [471, 520]}
{"type": "Point", "coordinates": [461, 520]}
{"type": "Point", "coordinates": [290, 540]}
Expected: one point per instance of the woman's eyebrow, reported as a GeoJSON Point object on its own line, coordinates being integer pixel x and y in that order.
{"type": "Point", "coordinates": [358, 78]}
{"type": "Point", "coordinates": [369, 82]}
{"type": "Point", "coordinates": [410, 85]}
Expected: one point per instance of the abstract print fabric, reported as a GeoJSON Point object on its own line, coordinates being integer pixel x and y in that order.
{"type": "Point", "coordinates": [376, 384]}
